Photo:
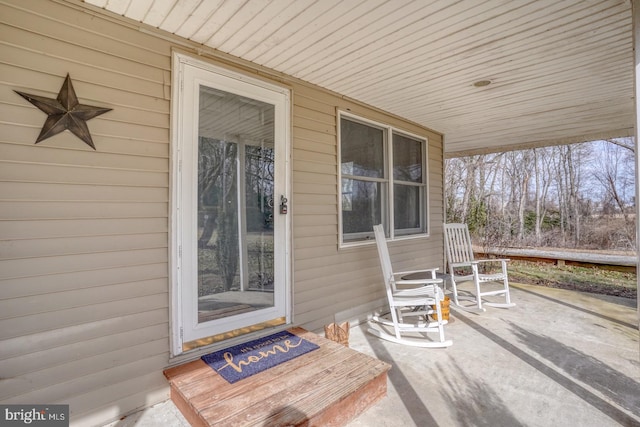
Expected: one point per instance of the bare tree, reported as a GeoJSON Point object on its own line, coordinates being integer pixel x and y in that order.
{"type": "Point", "coordinates": [614, 171]}
{"type": "Point", "coordinates": [543, 195]}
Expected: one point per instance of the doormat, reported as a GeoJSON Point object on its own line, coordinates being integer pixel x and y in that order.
{"type": "Point", "coordinates": [243, 360]}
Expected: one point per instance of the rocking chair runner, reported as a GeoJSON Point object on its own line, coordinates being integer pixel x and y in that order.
{"type": "Point", "coordinates": [409, 302]}
{"type": "Point", "coordinates": [463, 267]}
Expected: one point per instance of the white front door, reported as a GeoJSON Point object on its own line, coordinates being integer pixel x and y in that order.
{"type": "Point", "coordinates": [230, 179]}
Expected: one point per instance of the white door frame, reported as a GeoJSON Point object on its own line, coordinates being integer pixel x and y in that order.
{"type": "Point", "coordinates": [184, 122]}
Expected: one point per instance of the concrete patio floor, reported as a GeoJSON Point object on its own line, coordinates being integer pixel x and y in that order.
{"type": "Point", "coordinates": [559, 358]}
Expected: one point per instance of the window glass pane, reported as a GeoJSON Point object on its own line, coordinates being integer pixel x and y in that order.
{"type": "Point", "coordinates": [407, 158]}
{"type": "Point", "coordinates": [362, 149]}
{"type": "Point", "coordinates": [406, 205]}
{"type": "Point", "coordinates": [363, 208]}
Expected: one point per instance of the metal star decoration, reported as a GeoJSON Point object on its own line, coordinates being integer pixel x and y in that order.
{"type": "Point", "coordinates": [65, 113]}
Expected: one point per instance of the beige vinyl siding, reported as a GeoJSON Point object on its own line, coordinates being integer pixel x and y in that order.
{"type": "Point", "coordinates": [84, 253]}
{"type": "Point", "coordinates": [84, 290]}
{"type": "Point", "coordinates": [329, 280]}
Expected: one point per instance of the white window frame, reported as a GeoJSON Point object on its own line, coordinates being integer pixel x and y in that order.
{"type": "Point", "coordinates": [387, 180]}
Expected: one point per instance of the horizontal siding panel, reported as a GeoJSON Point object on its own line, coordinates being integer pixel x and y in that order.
{"type": "Point", "coordinates": [312, 135]}
{"type": "Point", "coordinates": [32, 209]}
{"type": "Point", "coordinates": [52, 357]}
{"type": "Point", "coordinates": [72, 192]}
{"type": "Point", "coordinates": [301, 177]}
{"type": "Point", "coordinates": [78, 155]}
{"type": "Point", "coordinates": [354, 291]}
{"type": "Point", "coordinates": [316, 188]}
{"type": "Point", "coordinates": [81, 336]}
{"type": "Point", "coordinates": [80, 227]}
{"type": "Point", "coordinates": [305, 243]}
{"type": "Point", "coordinates": [311, 156]}
{"type": "Point", "coordinates": [48, 84]}
{"type": "Point", "coordinates": [313, 231]}
{"type": "Point", "coordinates": [316, 117]}
{"type": "Point", "coordinates": [340, 262]}
{"type": "Point", "coordinates": [340, 271]}
{"type": "Point", "coordinates": [316, 220]}
{"type": "Point", "coordinates": [18, 136]}
{"type": "Point", "coordinates": [311, 166]}
{"type": "Point", "coordinates": [146, 80]}
{"type": "Point", "coordinates": [102, 126]}
{"type": "Point", "coordinates": [301, 209]}
{"type": "Point", "coordinates": [78, 368]}
{"type": "Point", "coordinates": [94, 50]}
{"type": "Point", "coordinates": [25, 325]}
{"type": "Point", "coordinates": [18, 110]}
{"type": "Point", "coordinates": [41, 209]}
{"type": "Point", "coordinates": [116, 32]}
{"type": "Point", "coordinates": [312, 100]}
{"type": "Point", "coordinates": [369, 281]}
{"type": "Point", "coordinates": [28, 306]}
{"type": "Point", "coordinates": [316, 251]}
{"type": "Point", "coordinates": [314, 199]}
{"type": "Point", "coordinates": [35, 285]}
{"type": "Point", "coordinates": [313, 125]}
{"type": "Point", "coordinates": [308, 145]}
{"type": "Point", "coordinates": [65, 263]}
{"type": "Point", "coordinates": [33, 248]}
{"type": "Point", "coordinates": [344, 300]}
{"type": "Point", "coordinates": [32, 172]}
{"type": "Point", "coordinates": [120, 374]}
{"type": "Point", "coordinates": [122, 398]}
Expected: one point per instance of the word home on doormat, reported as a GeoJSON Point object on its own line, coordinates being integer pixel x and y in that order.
{"type": "Point", "coordinates": [243, 360]}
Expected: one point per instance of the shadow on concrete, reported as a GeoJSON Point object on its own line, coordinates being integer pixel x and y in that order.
{"type": "Point", "coordinates": [584, 393]}
{"type": "Point", "coordinates": [473, 402]}
{"type": "Point", "coordinates": [584, 310]}
{"type": "Point", "coordinates": [612, 383]}
{"type": "Point", "coordinates": [410, 398]}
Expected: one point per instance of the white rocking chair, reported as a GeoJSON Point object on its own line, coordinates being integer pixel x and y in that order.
{"type": "Point", "coordinates": [463, 267]}
{"type": "Point", "coordinates": [409, 302]}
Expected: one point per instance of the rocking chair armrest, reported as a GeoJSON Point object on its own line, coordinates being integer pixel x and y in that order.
{"type": "Point", "coordinates": [406, 273]}
{"type": "Point", "coordinates": [419, 282]}
{"type": "Point", "coordinates": [430, 291]}
{"type": "Point", "coordinates": [461, 264]}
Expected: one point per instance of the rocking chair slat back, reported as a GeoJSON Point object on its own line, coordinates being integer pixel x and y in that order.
{"type": "Point", "coordinates": [459, 253]}
{"type": "Point", "coordinates": [458, 243]}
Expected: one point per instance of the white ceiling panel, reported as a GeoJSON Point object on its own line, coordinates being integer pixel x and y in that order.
{"type": "Point", "coordinates": [560, 70]}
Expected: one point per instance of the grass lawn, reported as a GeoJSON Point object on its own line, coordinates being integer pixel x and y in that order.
{"type": "Point", "coordinates": [583, 279]}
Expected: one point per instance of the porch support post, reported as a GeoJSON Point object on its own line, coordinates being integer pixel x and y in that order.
{"type": "Point", "coordinates": [635, 12]}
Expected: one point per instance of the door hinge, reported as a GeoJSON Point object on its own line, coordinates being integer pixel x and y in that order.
{"type": "Point", "coordinates": [181, 333]}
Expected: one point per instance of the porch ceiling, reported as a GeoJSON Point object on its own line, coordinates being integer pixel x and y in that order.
{"type": "Point", "coordinates": [560, 70]}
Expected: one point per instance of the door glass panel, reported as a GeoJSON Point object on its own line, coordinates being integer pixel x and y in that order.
{"type": "Point", "coordinates": [235, 205]}
{"type": "Point", "coordinates": [259, 213]}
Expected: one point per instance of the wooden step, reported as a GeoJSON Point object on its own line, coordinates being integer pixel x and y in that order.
{"type": "Point", "coordinates": [325, 387]}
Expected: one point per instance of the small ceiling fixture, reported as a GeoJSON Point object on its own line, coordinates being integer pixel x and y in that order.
{"type": "Point", "coordinates": [482, 83]}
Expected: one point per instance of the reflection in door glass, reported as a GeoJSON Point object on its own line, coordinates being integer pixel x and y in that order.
{"type": "Point", "coordinates": [235, 205]}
